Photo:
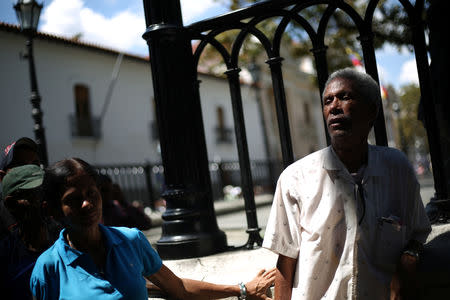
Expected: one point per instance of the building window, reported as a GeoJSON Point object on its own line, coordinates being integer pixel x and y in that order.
{"type": "Point", "coordinates": [223, 134]}
{"type": "Point", "coordinates": [83, 124]}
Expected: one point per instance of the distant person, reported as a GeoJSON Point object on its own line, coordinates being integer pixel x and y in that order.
{"type": "Point", "coordinates": [134, 211]}
{"type": "Point", "coordinates": [93, 261]}
{"type": "Point", "coordinates": [116, 210]}
{"type": "Point", "coordinates": [348, 221]}
{"type": "Point", "coordinates": [113, 213]}
{"type": "Point", "coordinates": [20, 248]}
{"type": "Point", "coordinates": [24, 151]}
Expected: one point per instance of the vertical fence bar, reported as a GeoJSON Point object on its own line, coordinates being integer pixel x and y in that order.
{"type": "Point", "coordinates": [320, 57]}
{"type": "Point", "coordinates": [264, 133]}
{"type": "Point", "coordinates": [440, 203]}
{"type": "Point", "coordinates": [244, 160]}
{"type": "Point", "coordinates": [370, 63]}
{"type": "Point", "coordinates": [282, 114]}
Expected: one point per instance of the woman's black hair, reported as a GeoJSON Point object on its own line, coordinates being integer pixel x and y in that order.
{"type": "Point", "coordinates": [55, 181]}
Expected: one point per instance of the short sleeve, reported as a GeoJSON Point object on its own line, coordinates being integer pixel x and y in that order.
{"type": "Point", "coordinates": [282, 233]}
{"type": "Point", "coordinates": [43, 283]}
{"type": "Point", "coordinates": [38, 289]}
{"type": "Point", "coordinates": [150, 259]}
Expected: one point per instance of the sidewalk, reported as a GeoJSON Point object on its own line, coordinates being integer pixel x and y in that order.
{"type": "Point", "coordinates": [223, 207]}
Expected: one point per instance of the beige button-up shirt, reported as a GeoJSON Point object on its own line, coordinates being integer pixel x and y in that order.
{"type": "Point", "coordinates": [315, 216]}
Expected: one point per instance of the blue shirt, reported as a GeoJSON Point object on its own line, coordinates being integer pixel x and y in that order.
{"type": "Point", "coordinates": [62, 272]}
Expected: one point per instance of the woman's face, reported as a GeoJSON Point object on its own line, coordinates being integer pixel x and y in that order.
{"type": "Point", "coordinates": [81, 202]}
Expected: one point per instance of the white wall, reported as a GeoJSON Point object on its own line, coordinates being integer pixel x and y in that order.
{"type": "Point", "coordinates": [126, 135]}
{"type": "Point", "coordinates": [215, 92]}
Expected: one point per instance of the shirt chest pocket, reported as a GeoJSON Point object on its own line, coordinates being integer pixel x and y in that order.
{"type": "Point", "coordinates": [390, 241]}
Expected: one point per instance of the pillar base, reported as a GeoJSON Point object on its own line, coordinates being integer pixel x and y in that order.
{"type": "Point", "coordinates": [193, 245]}
{"type": "Point", "coordinates": [438, 211]}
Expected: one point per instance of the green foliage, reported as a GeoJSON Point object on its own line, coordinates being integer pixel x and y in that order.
{"type": "Point", "coordinates": [412, 130]}
{"type": "Point", "coordinates": [389, 26]}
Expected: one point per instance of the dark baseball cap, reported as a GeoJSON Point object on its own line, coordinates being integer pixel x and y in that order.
{"type": "Point", "coordinates": [7, 155]}
{"type": "Point", "coordinates": [25, 177]}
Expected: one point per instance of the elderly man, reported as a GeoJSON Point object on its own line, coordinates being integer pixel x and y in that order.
{"type": "Point", "coordinates": [347, 221]}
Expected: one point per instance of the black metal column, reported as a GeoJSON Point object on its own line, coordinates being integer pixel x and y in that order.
{"type": "Point", "coordinates": [370, 63]}
{"type": "Point", "coordinates": [255, 70]}
{"type": "Point", "coordinates": [435, 88]}
{"type": "Point", "coordinates": [244, 161]}
{"type": "Point", "coordinates": [320, 57]}
{"type": "Point", "coordinates": [35, 99]}
{"type": "Point", "coordinates": [281, 107]}
{"type": "Point", "coordinates": [189, 224]}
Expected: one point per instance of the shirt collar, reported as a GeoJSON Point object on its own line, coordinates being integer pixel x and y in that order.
{"type": "Point", "coordinates": [332, 162]}
{"type": "Point", "coordinates": [111, 238]}
{"type": "Point", "coordinates": [69, 254]}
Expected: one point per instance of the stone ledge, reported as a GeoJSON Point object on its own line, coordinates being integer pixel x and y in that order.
{"type": "Point", "coordinates": [434, 267]}
{"type": "Point", "coordinates": [223, 268]}
{"type": "Point", "coordinates": [242, 265]}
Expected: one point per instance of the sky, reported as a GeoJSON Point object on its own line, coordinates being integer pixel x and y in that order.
{"type": "Point", "coordinates": [119, 25]}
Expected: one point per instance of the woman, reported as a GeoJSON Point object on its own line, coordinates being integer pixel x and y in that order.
{"type": "Point", "coordinates": [92, 261]}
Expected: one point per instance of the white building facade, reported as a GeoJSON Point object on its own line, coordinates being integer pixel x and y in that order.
{"type": "Point", "coordinates": [73, 81]}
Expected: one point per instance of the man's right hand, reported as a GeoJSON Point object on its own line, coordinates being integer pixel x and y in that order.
{"type": "Point", "coordinates": [285, 276]}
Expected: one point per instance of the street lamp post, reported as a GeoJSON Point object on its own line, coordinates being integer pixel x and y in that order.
{"type": "Point", "coordinates": [28, 12]}
{"type": "Point", "coordinates": [255, 71]}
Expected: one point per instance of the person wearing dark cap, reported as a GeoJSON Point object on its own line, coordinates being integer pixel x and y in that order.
{"type": "Point", "coordinates": [24, 151]}
{"type": "Point", "coordinates": [22, 246]}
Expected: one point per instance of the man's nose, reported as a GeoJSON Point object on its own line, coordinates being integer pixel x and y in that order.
{"type": "Point", "coordinates": [86, 203]}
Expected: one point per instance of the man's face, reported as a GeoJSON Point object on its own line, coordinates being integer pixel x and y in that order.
{"type": "Point", "coordinates": [348, 117]}
{"type": "Point", "coordinates": [24, 204]}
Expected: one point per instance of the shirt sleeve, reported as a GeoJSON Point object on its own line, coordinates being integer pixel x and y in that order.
{"type": "Point", "coordinates": [38, 289]}
{"type": "Point", "coordinates": [43, 283]}
{"type": "Point", "coordinates": [282, 233]}
{"type": "Point", "coordinates": [150, 259]}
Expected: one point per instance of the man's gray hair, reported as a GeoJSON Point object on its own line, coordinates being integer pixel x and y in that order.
{"type": "Point", "coordinates": [366, 86]}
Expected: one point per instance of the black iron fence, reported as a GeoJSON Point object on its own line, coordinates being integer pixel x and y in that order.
{"type": "Point", "coordinates": [145, 182]}
{"type": "Point", "coordinates": [189, 227]}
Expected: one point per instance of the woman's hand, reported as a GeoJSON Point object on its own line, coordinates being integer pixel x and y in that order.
{"type": "Point", "coordinates": [257, 287]}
